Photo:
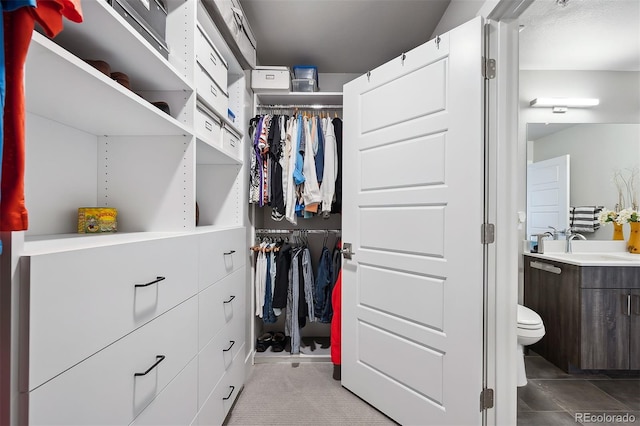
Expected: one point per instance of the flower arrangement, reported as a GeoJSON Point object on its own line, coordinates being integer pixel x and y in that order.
{"type": "Point", "coordinates": [627, 216]}
{"type": "Point", "coordinates": [607, 216]}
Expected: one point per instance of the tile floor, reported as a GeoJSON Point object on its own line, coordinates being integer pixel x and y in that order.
{"type": "Point", "coordinates": [555, 398]}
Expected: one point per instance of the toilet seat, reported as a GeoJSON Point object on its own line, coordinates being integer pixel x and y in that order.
{"type": "Point", "coordinates": [528, 319]}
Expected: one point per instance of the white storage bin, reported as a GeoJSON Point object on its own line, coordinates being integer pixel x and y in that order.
{"type": "Point", "coordinates": [271, 78]}
{"type": "Point", "coordinates": [211, 93]}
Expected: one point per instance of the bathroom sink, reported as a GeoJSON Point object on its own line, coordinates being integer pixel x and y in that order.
{"type": "Point", "coordinates": [594, 259]}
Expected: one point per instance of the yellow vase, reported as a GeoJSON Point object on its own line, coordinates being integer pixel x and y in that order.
{"type": "Point", "coordinates": [618, 235]}
{"type": "Point", "coordinates": [633, 245]}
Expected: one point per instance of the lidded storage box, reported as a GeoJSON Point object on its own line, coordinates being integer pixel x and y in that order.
{"type": "Point", "coordinates": [271, 78]}
{"type": "Point", "coordinates": [148, 17]}
{"type": "Point", "coordinates": [305, 78]}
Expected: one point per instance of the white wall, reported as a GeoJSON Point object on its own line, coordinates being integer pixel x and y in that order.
{"type": "Point", "coordinates": [596, 151]}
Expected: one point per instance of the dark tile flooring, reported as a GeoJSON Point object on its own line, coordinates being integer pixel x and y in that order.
{"type": "Point", "coordinates": [555, 398]}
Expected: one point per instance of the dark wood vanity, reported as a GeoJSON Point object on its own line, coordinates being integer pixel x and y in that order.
{"type": "Point", "coordinates": [591, 314]}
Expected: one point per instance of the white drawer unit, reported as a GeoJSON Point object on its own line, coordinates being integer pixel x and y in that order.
{"type": "Point", "coordinates": [208, 126]}
{"type": "Point", "coordinates": [221, 253]}
{"type": "Point", "coordinates": [220, 304]}
{"type": "Point", "coordinates": [116, 384]}
{"type": "Point", "coordinates": [215, 97]}
{"type": "Point", "coordinates": [177, 404]}
{"type": "Point", "coordinates": [217, 356]}
{"type": "Point", "coordinates": [210, 59]}
{"type": "Point", "coordinates": [220, 400]}
{"type": "Point", "coordinates": [231, 142]}
{"type": "Point", "coordinates": [77, 302]}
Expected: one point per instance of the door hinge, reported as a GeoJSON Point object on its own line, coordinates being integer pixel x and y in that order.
{"type": "Point", "coordinates": [488, 233]}
{"type": "Point", "coordinates": [486, 399]}
{"type": "Point", "coordinates": [488, 68]}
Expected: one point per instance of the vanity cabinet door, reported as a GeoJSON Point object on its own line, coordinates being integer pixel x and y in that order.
{"type": "Point", "coordinates": [634, 336]}
{"type": "Point", "coordinates": [605, 329]}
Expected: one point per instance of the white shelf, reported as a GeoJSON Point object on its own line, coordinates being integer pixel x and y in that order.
{"type": "Point", "coordinates": [210, 154]}
{"type": "Point", "coordinates": [105, 35]}
{"type": "Point", "coordinates": [86, 99]}
{"type": "Point", "coordinates": [300, 98]}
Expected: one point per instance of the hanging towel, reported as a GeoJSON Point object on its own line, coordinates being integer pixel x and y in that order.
{"type": "Point", "coordinates": [584, 218]}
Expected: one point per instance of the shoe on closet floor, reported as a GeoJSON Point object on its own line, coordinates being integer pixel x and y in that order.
{"type": "Point", "coordinates": [264, 341]}
{"type": "Point", "coordinates": [278, 342]}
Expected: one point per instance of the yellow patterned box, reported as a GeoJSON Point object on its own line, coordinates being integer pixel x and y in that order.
{"type": "Point", "coordinates": [94, 220]}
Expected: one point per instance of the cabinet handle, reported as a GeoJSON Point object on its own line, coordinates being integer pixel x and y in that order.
{"type": "Point", "coordinates": [233, 342]}
{"type": "Point", "coordinates": [546, 267]}
{"type": "Point", "coordinates": [157, 280]}
{"type": "Point", "coordinates": [213, 59]}
{"type": "Point", "coordinates": [214, 91]}
{"type": "Point", "coordinates": [628, 305]}
{"type": "Point", "coordinates": [159, 359]}
{"type": "Point", "coordinates": [230, 299]}
{"type": "Point", "coordinates": [229, 253]}
{"type": "Point", "coordinates": [208, 125]}
{"type": "Point", "coordinates": [230, 393]}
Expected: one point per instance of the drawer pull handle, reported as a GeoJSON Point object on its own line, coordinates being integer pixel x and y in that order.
{"type": "Point", "coordinates": [159, 359]}
{"type": "Point", "coordinates": [229, 253]}
{"type": "Point", "coordinates": [233, 342]}
{"type": "Point", "coordinates": [208, 125]}
{"type": "Point", "coordinates": [546, 267]}
{"type": "Point", "coordinates": [230, 299]}
{"type": "Point", "coordinates": [230, 393]}
{"type": "Point", "coordinates": [157, 280]}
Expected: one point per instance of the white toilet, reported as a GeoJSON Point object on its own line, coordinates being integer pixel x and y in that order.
{"type": "Point", "coordinates": [530, 330]}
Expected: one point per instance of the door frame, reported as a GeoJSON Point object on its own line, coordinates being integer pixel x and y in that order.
{"type": "Point", "coordinates": [501, 292]}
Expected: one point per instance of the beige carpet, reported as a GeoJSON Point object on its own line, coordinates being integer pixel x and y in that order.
{"type": "Point", "coordinates": [300, 394]}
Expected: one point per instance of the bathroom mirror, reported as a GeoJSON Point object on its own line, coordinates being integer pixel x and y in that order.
{"type": "Point", "coordinates": [596, 151]}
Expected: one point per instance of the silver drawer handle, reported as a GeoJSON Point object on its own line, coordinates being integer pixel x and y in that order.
{"type": "Point", "coordinates": [546, 267]}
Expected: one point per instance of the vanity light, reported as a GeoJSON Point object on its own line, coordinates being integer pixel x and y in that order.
{"type": "Point", "coordinates": [560, 105]}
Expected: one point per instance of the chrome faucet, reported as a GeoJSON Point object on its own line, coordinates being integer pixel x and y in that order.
{"type": "Point", "coordinates": [570, 237]}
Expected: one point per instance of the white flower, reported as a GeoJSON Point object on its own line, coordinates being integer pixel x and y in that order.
{"type": "Point", "coordinates": [606, 216]}
{"type": "Point", "coordinates": [627, 215]}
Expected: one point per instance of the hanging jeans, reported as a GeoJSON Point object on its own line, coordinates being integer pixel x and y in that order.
{"type": "Point", "coordinates": [268, 316]}
{"type": "Point", "coordinates": [323, 310]}
{"type": "Point", "coordinates": [292, 326]}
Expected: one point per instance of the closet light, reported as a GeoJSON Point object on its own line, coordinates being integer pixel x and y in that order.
{"type": "Point", "coordinates": [561, 104]}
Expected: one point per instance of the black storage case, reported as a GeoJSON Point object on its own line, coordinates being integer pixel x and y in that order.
{"type": "Point", "coordinates": [151, 24]}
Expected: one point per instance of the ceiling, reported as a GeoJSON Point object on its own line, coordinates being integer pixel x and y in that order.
{"type": "Point", "coordinates": [354, 36]}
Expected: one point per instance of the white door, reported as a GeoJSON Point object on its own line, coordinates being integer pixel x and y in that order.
{"type": "Point", "coordinates": [413, 200]}
{"type": "Point", "coordinates": [548, 195]}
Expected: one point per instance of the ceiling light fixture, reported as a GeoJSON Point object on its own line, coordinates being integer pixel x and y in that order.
{"type": "Point", "coordinates": [560, 105]}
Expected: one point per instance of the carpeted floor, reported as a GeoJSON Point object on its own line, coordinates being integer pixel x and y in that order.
{"type": "Point", "coordinates": [300, 394]}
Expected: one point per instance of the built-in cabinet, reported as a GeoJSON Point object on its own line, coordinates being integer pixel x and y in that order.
{"type": "Point", "coordinates": [146, 325]}
{"type": "Point", "coordinates": [591, 314]}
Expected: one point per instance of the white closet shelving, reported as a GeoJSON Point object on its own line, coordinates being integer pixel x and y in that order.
{"type": "Point", "coordinates": [162, 294]}
{"type": "Point", "coordinates": [315, 336]}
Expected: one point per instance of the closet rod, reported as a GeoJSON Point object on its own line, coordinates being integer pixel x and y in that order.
{"type": "Point", "coordinates": [306, 231]}
{"type": "Point", "coordinates": [291, 106]}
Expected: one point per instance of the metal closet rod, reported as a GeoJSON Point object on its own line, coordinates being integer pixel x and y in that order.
{"type": "Point", "coordinates": [292, 106]}
{"type": "Point", "coordinates": [306, 231]}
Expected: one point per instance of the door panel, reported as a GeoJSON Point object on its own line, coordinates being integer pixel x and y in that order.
{"type": "Point", "coordinates": [413, 205]}
{"type": "Point", "coordinates": [548, 195]}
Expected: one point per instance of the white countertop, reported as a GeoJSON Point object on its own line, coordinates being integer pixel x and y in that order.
{"type": "Point", "coordinates": [589, 253]}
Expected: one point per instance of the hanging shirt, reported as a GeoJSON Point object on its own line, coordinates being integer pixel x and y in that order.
{"type": "Point", "coordinates": [290, 195]}
{"type": "Point", "coordinates": [311, 193]}
{"type": "Point", "coordinates": [327, 189]}
{"type": "Point", "coordinates": [337, 204]}
{"type": "Point", "coordinates": [18, 28]}
{"type": "Point", "coordinates": [319, 156]}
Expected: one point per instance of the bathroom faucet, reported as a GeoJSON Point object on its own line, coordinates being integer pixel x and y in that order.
{"type": "Point", "coordinates": [571, 236]}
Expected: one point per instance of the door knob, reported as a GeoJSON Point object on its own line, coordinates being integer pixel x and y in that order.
{"type": "Point", "coordinates": [347, 252]}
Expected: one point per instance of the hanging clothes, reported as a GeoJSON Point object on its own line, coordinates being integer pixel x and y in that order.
{"type": "Point", "coordinates": [328, 187]}
{"type": "Point", "coordinates": [336, 322]}
{"type": "Point", "coordinates": [311, 192]}
{"type": "Point", "coordinates": [324, 283]}
{"type": "Point", "coordinates": [337, 204]}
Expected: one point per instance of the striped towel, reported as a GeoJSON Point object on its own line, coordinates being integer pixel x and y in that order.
{"type": "Point", "coordinates": [584, 218]}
